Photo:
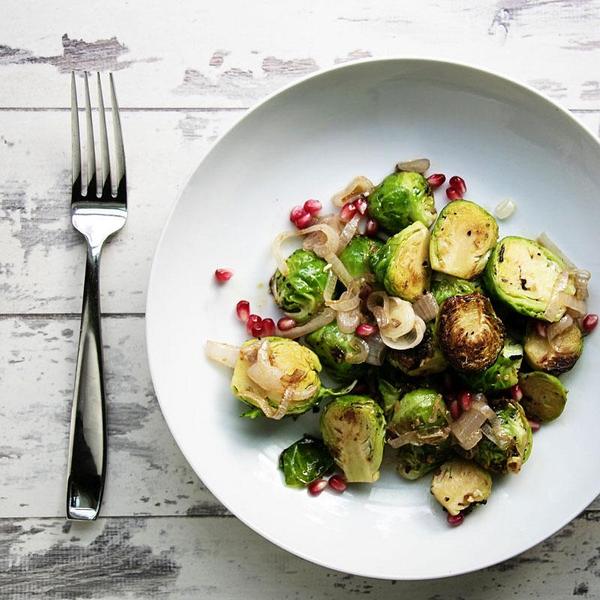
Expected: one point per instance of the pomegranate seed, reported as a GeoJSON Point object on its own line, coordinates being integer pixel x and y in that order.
{"type": "Point", "coordinates": [455, 520]}
{"type": "Point", "coordinates": [436, 180]}
{"type": "Point", "coordinates": [257, 330]}
{"type": "Point", "coordinates": [516, 392]}
{"type": "Point", "coordinates": [465, 400]}
{"type": "Point", "coordinates": [535, 426]}
{"type": "Point", "coordinates": [372, 228]}
{"type": "Point", "coordinates": [222, 275]}
{"type": "Point", "coordinates": [296, 213]}
{"type": "Point", "coordinates": [286, 323]}
{"type": "Point", "coordinates": [317, 486]}
{"type": "Point", "coordinates": [589, 323]}
{"type": "Point", "coordinates": [365, 291]}
{"type": "Point", "coordinates": [454, 409]}
{"type": "Point", "coordinates": [304, 221]}
{"type": "Point", "coordinates": [242, 308]}
{"type": "Point", "coordinates": [251, 321]}
{"type": "Point", "coordinates": [540, 328]}
{"type": "Point", "coordinates": [361, 205]}
{"type": "Point", "coordinates": [268, 327]}
{"type": "Point", "coordinates": [365, 330]}
{"type": "Point", "coordinates": [458, 183]}
{"type": "Point", "coordinates": [337, 483]}
{"type": "Point", "coordinates": [453, 194]}
{"type": "Point", "coordinates": [348, 211]}
{"type": "Point", "coordinates": [312, 207]}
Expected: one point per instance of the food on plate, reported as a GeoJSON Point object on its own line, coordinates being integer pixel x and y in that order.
{"type": "Point", "coordinates": [356, 256]}
{"type": "Point", "coordinates": [305, 461]}
{"type": "Point", "coordinates": [544, 396]}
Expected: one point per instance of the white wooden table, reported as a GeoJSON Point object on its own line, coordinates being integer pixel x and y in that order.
{"type": "Point", "coordinates": [185, 71]}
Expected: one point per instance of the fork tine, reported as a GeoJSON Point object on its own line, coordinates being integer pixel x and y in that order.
{"type": "Point", "coordinates": [119, 147]}
{"type": "Point", "coordinates": [75, 147]}
{"type": "Point", "coordinates": [105, 184]}
{"type": "Point", "coordinates": [89, 141]}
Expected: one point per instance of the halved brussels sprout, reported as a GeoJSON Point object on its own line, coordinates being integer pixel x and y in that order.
{"type": "Point", "coordinates": [276, 374]}
{"type": "Point", "coordinates": [501, 375]}
{"type": "Point", "coordinates": [512, 443]}
{"type": "Point", "coordinates": [459, 483]}
{"type": "Point", "coordinates": [544, 396]}
{"type": "Point", "coordinates": [334, 348]}
{"type": "Point", "coordinates": [304, 461]}
{"type": "Point", "coordinates": [446, 286]}
{"type": "Point", "coordinates": [425, 359]}
{"type": "Point", "coordinates": [470, 334]}
{"type": "Point", "coordinates": [300, 293]}
{"type": "Point", "coordinates": [402, 264]}
{"type": "Point", "coordinates": [542, 356]}
{"type": "Point", "coordinates": [401, 199]}
{"type": "Point", "coordinates": [353, 428]}
{"type": "Point", "coordinates": [523, 274]}
{"type": "Point", "coordinates": [415, 461]}
{"type": "Point", "coordinates": [422, 411]}
{"type": "Point", "coordinates": [462, 239]}
{"type": "Point", "coordinates": [356, 256]}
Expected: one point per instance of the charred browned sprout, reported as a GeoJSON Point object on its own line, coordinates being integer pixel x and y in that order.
{"type": "Point", "coordinates": [470, 334]}
{"type": "Point", "coordinates": [556, 357]}
{"type": "Point", "coordinates": [425, 359]}
{"type": "Point", "coordinates": [544, 396]}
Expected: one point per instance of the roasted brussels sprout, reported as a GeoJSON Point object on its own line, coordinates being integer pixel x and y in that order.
{"type": "Point", "coordinates": [470, 334]}
{"type": "Point", "coordinates": [557, 358]}
{"type": "Point", "coordinates": [459, 483]}
{"type": "Point", "coordinates": [356, 256]}
{"type": "Point", "coordinates": [278, 376]}
{"type": "Point", "coordinates": [304, 461]}
{"type": "Point", "coordinates": [544, 396]}
{"type": "Point", "coordinates": [334, 348]}
{"type": "Point", "coordinates": [446, 286]}
{"type": "Point", "coordinates": [461, 239]}
{"type": "Point", "coordinates": [401, 199]}
{"type": "Point", "coordinates": [414, 461]}
{"type": "Point", "coordinates": [392, 384]}
{"type": "Point", "coordinates": [353, 428]}
{"type": "Point", "coordinates": [502, 374]}
{"type": "Point", "coordinates": [512, 441]}
{"type": "Point", "coordinates": [300, 293]}
{"type": "Point", "coordinates": [523, 274]}
{"type": "Point", "coordinates": [425, 359]}
{"type": "Point", "coordinates": [402, 264]}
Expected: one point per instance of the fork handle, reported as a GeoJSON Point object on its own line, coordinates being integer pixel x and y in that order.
{"type": "Point", "coordinates": [87, 447]}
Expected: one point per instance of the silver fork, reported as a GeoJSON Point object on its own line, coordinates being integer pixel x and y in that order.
{"type": "Point", "coordinates": [98, 210]}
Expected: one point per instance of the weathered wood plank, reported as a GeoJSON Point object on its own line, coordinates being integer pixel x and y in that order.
{"type": "Point", "coordinates": [42, 257]}
{"type": "Point", "coordinates": [198, 55]}
{"type": "Point", "coordinates": [188, 557]}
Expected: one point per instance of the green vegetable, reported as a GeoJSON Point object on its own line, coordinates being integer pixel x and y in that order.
{"type": "Point", "coordinates": [544, 396]}
{"type": "Point", "coordinates": [556, 358]}
{"type": "Point", "coordinates": [304, 461]}
{"type": "Point", "coordinates": [425, 359]}
{"type": "Point", "coordinates": [523, 274]}
{"type": "Point", "coordinates": [501, 375]}
{"type": "Point", "coordinates": [401, 199]}
{"type": "Point", "coordinates": [353, 428]}
{"type": "Point", "coordinates": [356, 255]}
{"type": "Point", "coordinates": [461, 239]}
{"type": "Point", "coordinates": [445, 286]}
{"type": "Point", "coordinates": [513, 441]}
{"type": "Point", "coordinates": [415, 461]}
{"type": "Point", "coordinates": [402, 264]}
{"type": "Point", "coordinates": [333, 349]}
{"type": "Point", "coordinates": [392, 384]}
{"type": "Point", "coordinates": [300, 293]}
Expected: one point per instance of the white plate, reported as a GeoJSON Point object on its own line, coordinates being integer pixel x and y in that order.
{"type": "Point", "coordinates": [307, 141]}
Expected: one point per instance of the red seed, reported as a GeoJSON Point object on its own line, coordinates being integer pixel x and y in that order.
{"type": "Point", "coordinates": [365, 291]}
{"type": "Point", "coordinates": [516, 392]}
{"type": "Point", "coordinates": [540, 328]}
{"type": "Point", "coordinates": [372, 228]}
{"type": "Point", "coordinates": [465, 400]}
{"type": "Point", "coordinates": [436, 180]}
{"type": "Point", "coordinates": [317, 486]}
{"type": "Point", "coordinates": [455, 409]}
{"type": "Point", "coordinates": [455, 520]}
{"type": "Point", "coordinates": [337, 483]}
{"type": "Point", "coordinates": [312, 207]}
{"type": "Point", "coordinates": [251, 322]}
{"type": "Point", "coordinates": [366, 329]}
{"type": "Point", "coordinates": [453, 194]}
{"type": "Point", "coordinates": [535, 426]}
{"type": "Point", "coordinates": [361, 205]}
{"type": "Point", "coordinates": [458, 183]}
{"type": "Point", "coordinates": [589, 323]}
{"type": "Point", "coordinates": [304, 221]}
{"type": "Point", "coordinates": [268, 327]}
{"type": "Point", "coordinates": [242, 308]}
{"type": "Point", "coordinates": [222, 275]}
{"type": "Point", "coordinates": [347, 211]}
{"type": "Point", "coordinates": [286, 323]}
{"type": "Point", "coordinates": [296, 213]}
{"type": "Point", "coordinates": [257, 330]}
